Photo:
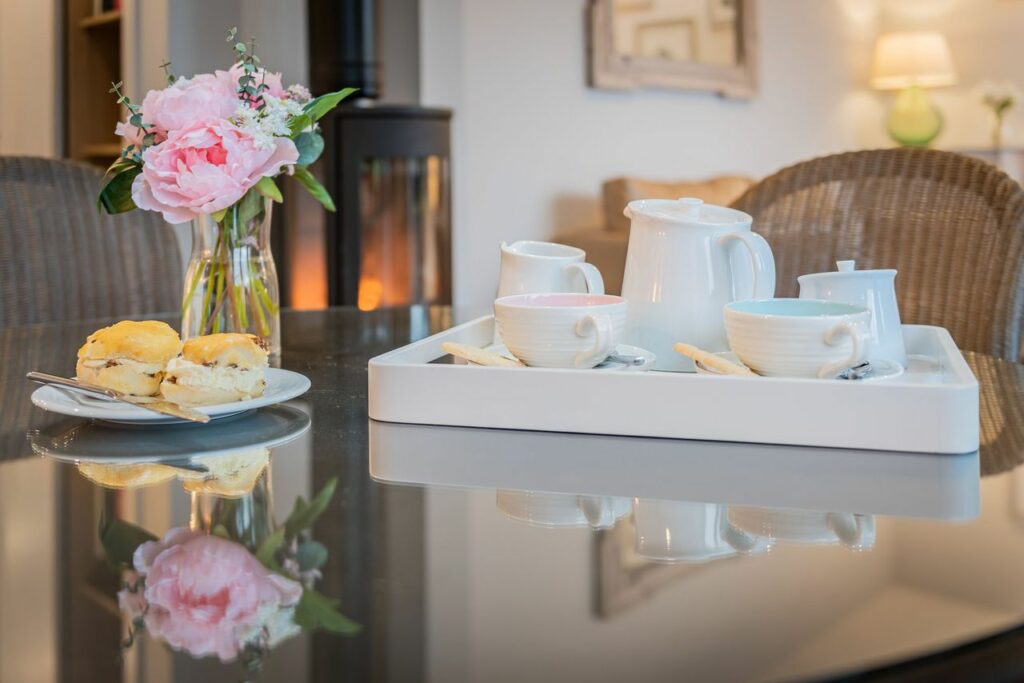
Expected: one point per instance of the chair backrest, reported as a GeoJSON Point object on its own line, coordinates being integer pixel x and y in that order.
{"type": "Point", "coordinates": [62, 260]}
{"type": "Point", "coordinates": [953, 227]}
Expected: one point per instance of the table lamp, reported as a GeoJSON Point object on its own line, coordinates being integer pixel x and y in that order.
{"type": "Point", "coordinates": [911, 62]}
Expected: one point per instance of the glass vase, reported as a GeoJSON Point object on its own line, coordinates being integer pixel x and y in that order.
{"type": "Point", "coordinates": [231, 282]}
{"type": "Point", "coordinates": [240, 511]}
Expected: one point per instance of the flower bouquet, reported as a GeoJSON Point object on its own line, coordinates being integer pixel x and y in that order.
{"type": "Point", "coordinates": [217, 589]}
{"type": "Point", "coordinates": [207, 149]}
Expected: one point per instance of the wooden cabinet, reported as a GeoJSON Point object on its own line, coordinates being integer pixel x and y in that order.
{"type": "Point", "coordinates": [92, 60]}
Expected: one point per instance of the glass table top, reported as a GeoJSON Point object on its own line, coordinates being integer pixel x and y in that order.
{"type": "Point", "coordinates": [307, 542]}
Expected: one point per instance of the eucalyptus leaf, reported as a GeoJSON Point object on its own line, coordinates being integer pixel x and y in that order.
{"type": "Point", "coordinates": [116, 195]}
{"type": "Point", "coordinates": [314, 187]}
{"type": "Point", "coordinates": [317, 611]}
{"type": "Point", "coordinates": [304, 517]}
{"type": "Point", "coordinates": [268, 188]}
{"type": "Point", "coordinates": [120, 539]}
{"type": "Point", "coordinates": [310, 146]}
{"type": "Point", "coordinates": [311, 555]}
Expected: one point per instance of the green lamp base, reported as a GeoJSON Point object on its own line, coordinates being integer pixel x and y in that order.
{"type": "Point", "coordinates": [914, 120]}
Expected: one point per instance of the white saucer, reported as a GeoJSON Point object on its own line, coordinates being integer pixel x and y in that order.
{"type": "Point", "coordinates": [621, 350]}
{"type": "Point", "coordinates": [282, 385]}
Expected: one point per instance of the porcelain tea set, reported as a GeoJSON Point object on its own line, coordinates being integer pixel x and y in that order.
{"type": "Point", "coordinates": [699, 284]}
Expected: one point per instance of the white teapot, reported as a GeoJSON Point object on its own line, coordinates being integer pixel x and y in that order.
{"type": "Point", "coordinates": [873, 289]}
{"type": "Point", "coordinates": [682, 269]}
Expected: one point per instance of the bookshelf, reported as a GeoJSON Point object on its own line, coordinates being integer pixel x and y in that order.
{"type": "Point", "coordinates": [92, 60]}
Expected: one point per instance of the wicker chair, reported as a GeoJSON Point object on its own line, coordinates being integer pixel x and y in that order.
{"type": "Point", "coordinates": [953, 226]}
{"type": "Point", "coordinates": [62, 260]}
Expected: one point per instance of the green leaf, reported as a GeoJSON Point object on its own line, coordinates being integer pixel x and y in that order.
{"type": "Point", "coordinates": [311, 555]}
{"type": "Point", "coordinates": [246, 209]}
{"type": "Point", "coordinates": [268, 549]}
{"type": "Point", "coordinates": [314, 187]}
{"type": "Point", "coordinates": [221, 531]}
{"type": "Point", "coordinates": [268, 188]}
{"type": "Point", "coordinates": [218, 216]}
{"type": "Point", "coordinates": [319, 106]}
{"type": "Point", "coordinates": [316, 611]}
{"type": "Point", "coordinates": [303, 517]}
{"type": "Point", "coordinates": [116, 195]}
{"type": "Point", "coordinates": [120, 539]}
{"type": "Point", "coordinates": [310, 146]}
{"type": "Point", "coordinates": [299, 123]}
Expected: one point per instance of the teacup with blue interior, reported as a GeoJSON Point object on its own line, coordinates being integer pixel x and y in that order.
{"type": "Point", "coordinates": [798, 337]}
{"type": "Point", "coordinates": [561, 330]}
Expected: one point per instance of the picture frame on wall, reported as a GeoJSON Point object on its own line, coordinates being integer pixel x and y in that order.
{"type": "Point", "coordinates": [722, 12]}
{"type": "Point", "coordinates": [674, 40]}
{"type": "Point", "coordinates": [709, 45]}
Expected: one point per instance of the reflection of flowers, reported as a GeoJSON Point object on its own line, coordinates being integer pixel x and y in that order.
{"type": "Point", "coordinates": [207, 595]}
{"type": "Point", "coordinates": [203, 591]}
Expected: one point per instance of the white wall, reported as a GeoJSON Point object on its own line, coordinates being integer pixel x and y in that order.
{"type": "Point", "coordinates": [30, 68]}
{"type": "Point", "coordinates": [532, 142]}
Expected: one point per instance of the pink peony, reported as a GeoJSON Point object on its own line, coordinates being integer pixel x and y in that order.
{"type": "Point", "coordinates": [209, 596]}
{"type": "Point", "coordinates": [204, 168]}
{"type": "Point", "coordinates": [188, 101]}
{"type": "Point", "coordinates": [271, 79]}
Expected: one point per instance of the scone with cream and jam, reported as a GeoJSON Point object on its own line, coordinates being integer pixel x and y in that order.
{"type": "Point", "coordinates": [129, 356]}
{"type": "Point", "coordinates": [217, 368]}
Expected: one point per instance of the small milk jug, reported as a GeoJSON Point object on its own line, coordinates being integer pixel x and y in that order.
{"type": "Point", "coordinates": [873, 289]}
{"type": "Point", "coordinates": [687, 260]}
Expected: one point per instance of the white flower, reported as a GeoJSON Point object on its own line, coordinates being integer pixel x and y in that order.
{"type": "Point", "coordinates": [299, 93]}
{"type": "Point", "coordinates": [999, 96]}
{"type": "Point", "coordinates": [264, 124]}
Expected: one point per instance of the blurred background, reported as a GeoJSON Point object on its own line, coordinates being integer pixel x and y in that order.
{"type": "Point", "coordinates": [534, 132]}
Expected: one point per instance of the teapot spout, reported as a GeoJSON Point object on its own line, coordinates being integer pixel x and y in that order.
{"type": "Point", "coordinates": [627, 213]}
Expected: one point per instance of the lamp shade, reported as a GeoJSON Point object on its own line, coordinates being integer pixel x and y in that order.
{"type": "Point", "coordinates": [914, 58]}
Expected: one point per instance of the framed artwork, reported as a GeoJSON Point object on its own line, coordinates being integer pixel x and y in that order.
{"type": "Point", "coordinates": [722, 12]}
{"type": "Point", "coordinates": [671, 44]}
{"type": "Point", "coordinates": [674, 39]}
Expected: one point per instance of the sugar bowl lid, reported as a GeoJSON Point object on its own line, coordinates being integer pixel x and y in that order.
{"type": "Point", "coordinates": [686, 211]}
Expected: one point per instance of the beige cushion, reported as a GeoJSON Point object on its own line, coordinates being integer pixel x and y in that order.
{"type": "Point", "coordinates": [617, 192]}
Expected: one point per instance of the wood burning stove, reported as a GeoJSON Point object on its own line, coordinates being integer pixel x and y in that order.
{"type": "Point", "coordinates": [388, 168]}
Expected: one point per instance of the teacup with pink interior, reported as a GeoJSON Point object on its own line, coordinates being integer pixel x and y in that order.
{"type": "Point", "coordinates": [561, 330]}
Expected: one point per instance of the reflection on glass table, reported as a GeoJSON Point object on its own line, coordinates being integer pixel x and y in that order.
{"type": "Point", "coordinates": [237, 580]}
{"type": "Point", "coordinates": [816, 561]}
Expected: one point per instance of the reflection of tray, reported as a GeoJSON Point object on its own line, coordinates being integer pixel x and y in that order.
{"type": "Point", "coordinates": [758, 475]}
{"type": "Point", "coordinates": [932, 408]}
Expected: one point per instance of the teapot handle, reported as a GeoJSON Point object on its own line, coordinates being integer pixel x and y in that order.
{"type": "Point", "coordinates": [761, 260]}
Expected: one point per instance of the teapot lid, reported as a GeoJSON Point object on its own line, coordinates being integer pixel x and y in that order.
{"type": "Point", "coordinates": [687, 210]}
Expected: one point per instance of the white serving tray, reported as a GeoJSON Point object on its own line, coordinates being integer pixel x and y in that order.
{"type": "Point", "coordinates": [931, 408]}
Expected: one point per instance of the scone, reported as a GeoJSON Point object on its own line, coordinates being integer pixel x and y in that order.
{"type": "Point", "coordinates": [129, 356]}
{"type": "Point", "coordinates": [230, 476]}
{"type": "Point", "coordinates": [115, 476]}
{"type": "Point", "coordinates": [217, 368]}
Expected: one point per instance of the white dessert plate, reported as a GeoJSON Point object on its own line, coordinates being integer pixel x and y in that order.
{"type": "Point", "coordinates": [620, 350]}
{"type": "Point", "coordinates": [282, 385]}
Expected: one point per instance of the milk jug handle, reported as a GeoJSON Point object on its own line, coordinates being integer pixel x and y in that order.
{"type": "Point", "coordinates": [591, 275]}
{"type": "Point", "coordinates": [761, 260]}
